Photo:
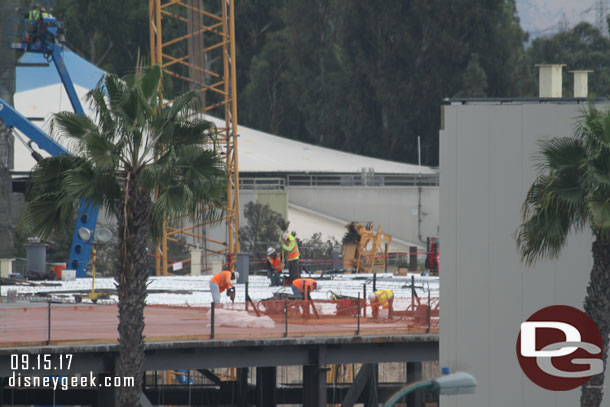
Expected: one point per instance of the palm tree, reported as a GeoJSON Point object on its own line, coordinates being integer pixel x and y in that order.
{"type": "Point", "coordinates": [113, 166]}
{"type": "Point", "coordinates": [571, 193]}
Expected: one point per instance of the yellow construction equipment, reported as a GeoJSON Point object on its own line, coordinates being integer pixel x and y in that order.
{"type": "Point", "coordinates": [364, 250]}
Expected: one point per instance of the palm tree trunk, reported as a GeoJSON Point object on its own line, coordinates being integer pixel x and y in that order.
{"type": "Point", "coordinates": [597, 306]}
{"type": "Point", "coordinates": [134, 231]}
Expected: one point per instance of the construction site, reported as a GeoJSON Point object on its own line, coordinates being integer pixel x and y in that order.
{"type": "Point", "coordinates": [267, 345]}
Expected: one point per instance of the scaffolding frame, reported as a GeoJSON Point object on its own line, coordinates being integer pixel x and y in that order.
{"type": "Point", "coordinates": [202, 59]}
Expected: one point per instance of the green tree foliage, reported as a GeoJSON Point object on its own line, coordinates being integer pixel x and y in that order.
{"type": "Point", "coordinates": [365, 76]}
{"type": "Point", "coordinates": [571, 194]}
{"type": "Point", "coordinates": [368, 76]}
{"type": "Point", "coordinates": [474, 80]}
{"type": "Point", "coordinates": [263, 229]}
{"type": "Point", "coordinates": [317, 253]}
{"type": "Point", "coordinates": [109, 33]}
{"type": "Point", "coordinates": [113, 168]}
{"type": "Point", "coordinates": [582, 47]}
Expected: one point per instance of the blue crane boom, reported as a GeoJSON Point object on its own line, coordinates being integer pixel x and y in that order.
{"type": "Point", "coordinates": [80, 250]}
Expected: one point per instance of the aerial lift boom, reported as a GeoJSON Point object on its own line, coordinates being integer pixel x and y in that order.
{"type": "Point", "coordinates": [87, 214]}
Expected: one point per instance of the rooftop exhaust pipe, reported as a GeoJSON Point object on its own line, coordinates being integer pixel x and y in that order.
{"type": "Point", "coordinates": [550, 80]}
{"type": "Point", "coordinates": [581, 83]}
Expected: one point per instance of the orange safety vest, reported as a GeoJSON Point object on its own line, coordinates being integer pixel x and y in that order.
{"type": "Point", "coordinates": [223, 279]}
{"type": "Point", "coordinates": [304, 284]}
{"type": "Point", "coordinates": [384, 297]}
{"type": "Point", "coordinates": [276, 263]}
{"type": "Point", "coordinates": [291, 248]}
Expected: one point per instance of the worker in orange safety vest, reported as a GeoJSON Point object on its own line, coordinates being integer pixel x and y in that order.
{"type": "Point", "coordinates": [300, 286]}
{"type": "Point", "coordinates": [383, 299]}
{"type": "Point", "coordinates": [291, 250]}
{"type": "Point", "coordinates": [274, 267]}
{"type": "Point", "coordinates": [221, 282]}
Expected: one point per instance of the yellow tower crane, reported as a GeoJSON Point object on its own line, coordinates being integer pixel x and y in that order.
{"type": "Point", "coordinates": [194, 42]}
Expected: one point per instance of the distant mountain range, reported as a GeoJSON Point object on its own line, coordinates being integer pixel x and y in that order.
{"type": "Point", "coordinates": [545, 17]}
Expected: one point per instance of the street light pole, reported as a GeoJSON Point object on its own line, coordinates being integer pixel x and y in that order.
{"type": "Point", "coordinates": [455, 383]}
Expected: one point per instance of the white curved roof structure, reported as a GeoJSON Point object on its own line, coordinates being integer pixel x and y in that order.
{"type": "Point", "coordinates": [40, 93]}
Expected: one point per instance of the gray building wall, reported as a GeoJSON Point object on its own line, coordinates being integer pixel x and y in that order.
{"type": "Point", "coordinates": [393, 208]}
{"type": "Point", "coordinates": [486, 153]}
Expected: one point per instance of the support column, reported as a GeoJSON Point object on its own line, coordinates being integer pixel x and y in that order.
{"type": "Point", "coordinates": [314, 380]}
{"type": "Point", "coordinates": [107, 396]}
{"type": "Point", "coordinates": [414, 373]}
{"type": "Point", "coordinates": [373, 388]}
{"type": "Point", "coordinates": [242, 387]}
{"type": "Point", "coordinates": [266, 386]}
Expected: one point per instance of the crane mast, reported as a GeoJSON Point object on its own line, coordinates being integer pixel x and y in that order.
{"type": "Point", "coordinates": [202, 59]}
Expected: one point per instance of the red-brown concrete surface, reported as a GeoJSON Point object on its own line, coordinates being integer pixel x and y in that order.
{"type": "Point", "coordinates": [27, 325]}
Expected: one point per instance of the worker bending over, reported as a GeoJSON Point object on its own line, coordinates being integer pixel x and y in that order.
{"type": "Point", "coordinates": [274, 267]}
{"type": "Point", "coordinates": [383, 299]}
{"type": "Point", "coordinates": [292, 254]}
{"type": "Point", "coordinates": [300, 286]}
{"type": "Point", "coordinates": [221, 282]}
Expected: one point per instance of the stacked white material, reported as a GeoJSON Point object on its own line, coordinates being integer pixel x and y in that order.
{"type": "Point", "coordinates": [194, 290]}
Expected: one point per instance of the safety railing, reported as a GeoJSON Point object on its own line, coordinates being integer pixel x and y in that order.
{"type": "Point", "coordinates": [287, 316]}
{"type": "Point", "coordinates": [351, 180]}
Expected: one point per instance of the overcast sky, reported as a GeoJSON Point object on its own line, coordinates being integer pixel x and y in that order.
{"type": "Point", "coordinates": [541, 15]}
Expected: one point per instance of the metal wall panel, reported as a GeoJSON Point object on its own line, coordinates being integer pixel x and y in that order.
{"type": "Point", "coordinates": [277, 201]}
{"type": "Point", "coordinates": [392, 208]}
{"type": "Point", "coordinates": [487, 165]}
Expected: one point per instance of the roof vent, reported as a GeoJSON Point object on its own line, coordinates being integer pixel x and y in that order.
{"type": "Point", "coordinates": [550, 81]}
{"type": "Point", "coordinates": [581, 83]}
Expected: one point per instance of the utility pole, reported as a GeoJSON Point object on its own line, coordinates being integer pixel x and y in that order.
{"type": "Point", "coordinates": [9, 9]}
{"type": "Point", "coordinates": [601, 11]}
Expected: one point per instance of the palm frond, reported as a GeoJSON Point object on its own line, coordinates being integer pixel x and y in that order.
{"type": "Point", "coordinates": [560, 153]}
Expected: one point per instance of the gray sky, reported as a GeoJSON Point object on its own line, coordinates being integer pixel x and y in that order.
{"type": "Point", "coordinates": [541, 15]}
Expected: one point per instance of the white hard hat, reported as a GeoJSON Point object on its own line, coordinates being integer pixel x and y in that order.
{"type": "Point", "coordinates": [270, 251]}
{"type": "Point", "coordinates": [235, 275]}
{"type": "Point", "coordinates": [285, 235]}
{"type": "Point", "coordinates": [371, 296]}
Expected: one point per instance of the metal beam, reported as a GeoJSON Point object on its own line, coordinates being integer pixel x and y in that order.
{"type": "Point", "coordinates": [414, 373]}
{"type": "Point", "coordinates": [242, 387]}
{"type": "Point", "coordinates": [266, 386]}
{"type": "Point", "coordinates": [360, 381]}
{"type": "Point", "coordinates": [211, 376]}
{"type": "Point", "coordinates": [314, 380]}
{"type": "Point", "coordinates": [245, 353]}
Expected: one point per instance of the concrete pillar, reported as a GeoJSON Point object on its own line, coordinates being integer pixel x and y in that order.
{"type": "Point", "coordinates": [550, 80]}
{"type": "Point", "coordinates": [412, 258]}
{"type": "Point", "coordinates": [581, 83]}
{"type": "Point", "coordinates": [195, 262]}
{"type": "Point", "coordinates": [266, 388]}
{"type": "Point", "coordinates": [6, 267]}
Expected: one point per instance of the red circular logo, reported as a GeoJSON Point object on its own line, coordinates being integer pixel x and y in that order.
{"type": "Point", "coordinates": [559, 348]}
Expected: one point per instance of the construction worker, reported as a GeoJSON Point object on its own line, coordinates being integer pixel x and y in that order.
{"type": "Point", "coordinates": [221, 282]}
{"type": "Point", "coordinates": [383, 299]}
{"type": "Point", "coordinates": [291, 249]}
{"type": "Point", "coordinates": [300, 286]}
{"type": "Point", "coordinates": [274, 267]}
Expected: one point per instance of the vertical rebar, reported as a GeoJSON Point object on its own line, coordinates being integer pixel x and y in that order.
{"type": "Point", "coordinates": [413, 294]}
{"type": "Point", "coordinates": [285, 318]}
{"type": "Point", "coordinates": [428, 314]}
{"type": "Point", "coordinates": [49, 323]}
{"type": "Point", "coordinates": [212, 322]}
{"type": "Point", "coordinates": [358, 329]}
{"type": "Point", "coordinates": [247, 296]}
{"type": "Point", "coordinates": [385, 261]}
{"type": "Point", "coordinates": [364, 297]}
{"type": "Point", "coordinates": [374, 282]}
